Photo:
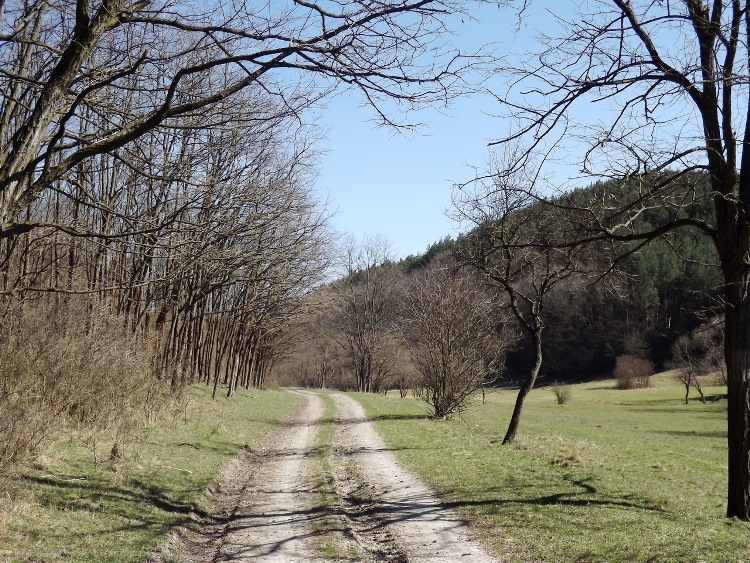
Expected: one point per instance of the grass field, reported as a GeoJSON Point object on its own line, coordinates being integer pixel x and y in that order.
{"type": "Point", "coordinates": [610, 476]}
{"type": "Point", "coordinates": [69, 508]}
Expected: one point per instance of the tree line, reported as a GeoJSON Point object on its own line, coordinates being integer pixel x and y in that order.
{"type": "Point", "coordinates": [201, 273]}
{"type": "Point", "coordinates": [159, 224]}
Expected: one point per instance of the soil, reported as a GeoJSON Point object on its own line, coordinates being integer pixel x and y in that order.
{"type": "Point", "coordinates": [296, 500]}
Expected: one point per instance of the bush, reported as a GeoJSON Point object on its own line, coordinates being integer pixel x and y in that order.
{"type": "Point", "coordinates": [449, 330]}
{"type": "Point", "coordinates": [633, 372]}
{"type": "Point", "coordinates": [65, 366]}
{"type": "Point", "coordinates": [562, 393]}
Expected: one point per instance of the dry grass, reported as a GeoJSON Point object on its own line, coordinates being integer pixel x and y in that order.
{"type": "Point", "coordinates": [16, 506]}
{"type": "Point", "coordinates": [562, 393]}
{"type": "Point", "coordinates": [70, 366]}
{"type": "Point", "coordinates": [68, 508]}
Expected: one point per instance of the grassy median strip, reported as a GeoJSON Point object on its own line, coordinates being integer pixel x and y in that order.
{"type": "Point", "coordinates": [610, 476]}
{"type": "Point", "coordinates": [80, 503]}
{"type": "Point", "coordinates": [330, 523]}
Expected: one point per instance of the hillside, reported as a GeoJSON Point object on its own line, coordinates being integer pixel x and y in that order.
{"type": "Point", "coordinates": [666, 289]}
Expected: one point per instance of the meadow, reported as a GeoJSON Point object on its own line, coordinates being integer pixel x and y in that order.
{"type": "Point", "coordinates": [612, 475]}
{"type": "Point", "coordinates": [75, 503]}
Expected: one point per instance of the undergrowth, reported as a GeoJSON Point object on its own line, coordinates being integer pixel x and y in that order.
{"type": "Point", "coordinates": [71, 367]}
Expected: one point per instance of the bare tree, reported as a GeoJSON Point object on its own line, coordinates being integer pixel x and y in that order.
{"type": "Point", "coordinates": [683, 355]}
{"type": "Point", "coordinates": [365, 310]}
{"type": "Point", "coordinates": [513, 247]}
{"type": "Point", "coordinates": [210, 266]}
{"type": "Point", "coordinates": [633, 372]}
{"type": "Point", "coordinates": [709, 342]}
{"type": "Point", "coordinates": [699, 354]}
{"type": "Point", "coordinates": [315, 357]}
{"type": "Point", "coordinates": [455, 337]}
{"type": "Point", "coordinates": [670, 82]}
{"type": "Point", "coordinates": [82, 79]}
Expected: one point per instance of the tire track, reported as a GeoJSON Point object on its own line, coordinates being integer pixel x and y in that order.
{"type": "Point", "coordinates": [272, 521]}
{"type": "Point", "coordinates": [394, 508]}
{"type": "Point", "coordinates": [270, 506]}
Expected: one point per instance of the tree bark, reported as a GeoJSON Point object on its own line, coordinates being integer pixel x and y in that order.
{"type": "Point", "coordinates": [737, 353]}
{"type": "Point", "coordinates": [526, 388]}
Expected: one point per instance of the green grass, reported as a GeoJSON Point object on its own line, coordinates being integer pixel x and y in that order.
{"type": "Point", "coordinates": [611, 476]}
{"type": "Point", "coordinates": [328, 526]}
{"type": "Point", "coordinates": [66, 508]}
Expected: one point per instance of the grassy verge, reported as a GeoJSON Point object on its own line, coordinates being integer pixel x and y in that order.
{"type": "Point", "coordinates": [76, 504]}
{"type": "Point", "coordinates": [611, 476]}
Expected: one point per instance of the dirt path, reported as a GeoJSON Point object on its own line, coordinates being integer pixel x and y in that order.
{"type": "Point", "coordinates": [396, 501]}
{"type": "Point", "coordinates": [261, 500]}
{"type": "Point", "coordinates": [272, 521]}
{"type": "Point", "coordinates": [271, 506]}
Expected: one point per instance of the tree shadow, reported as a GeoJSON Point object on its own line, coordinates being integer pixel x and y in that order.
{"type": "Point", "coordinates": [136, 503]}
{"type": "Point", "coordinates": [401, 417]}
{"type": "Point", "coordinates": [654, 407]}
{"type": "Point", "coordinates": [587, 495]}
{"type": "Point", "coordinates": [340, 422]}
{"type": "Point", "coordinates": [692, 433]}
{"type": "Point", "coordinates": [408, 508]}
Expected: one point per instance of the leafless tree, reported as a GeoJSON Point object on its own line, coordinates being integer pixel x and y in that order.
{"type": "Point", "coordinates": [210, 265]}
{"type": "Point", "coordinates": [683, 355]}
{"type": "Point", "coordinates": [633, 372]}
{"type": "Point", "coordinates": [699, 354]}
{"type": "Point", "coordinates": [156, 170]}
{"type": "Point", "coordinates": [365, 310]}
{"type": "Point", "coordinates": [453, 332]}
{"type": "Point", "coordinates": [82, 79]}
{"type": "Point", "coordinates": [710, 338]}
{"type": "Point", "coordinates": [514, 246]}
{"type": "Point", "coordinates": [655, 94]}
{"type": "Point", "coordinates": [174, 137]}
{"type": "Point", "coordinates": [315, 357]}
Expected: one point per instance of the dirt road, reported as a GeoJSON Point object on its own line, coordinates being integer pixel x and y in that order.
{"type": "Point", "coordinates": [299, 500]}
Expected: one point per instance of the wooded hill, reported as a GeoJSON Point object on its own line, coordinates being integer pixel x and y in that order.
{"type": "Point", "coordinates": [638, 302]}
{"type": "Point", "coordinates": [665, 289]}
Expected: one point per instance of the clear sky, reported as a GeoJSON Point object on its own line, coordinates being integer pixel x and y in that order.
{"type": "Point", "coordinates": [399, 186]}
{"type": "Point", "coordinates": [385, 183]}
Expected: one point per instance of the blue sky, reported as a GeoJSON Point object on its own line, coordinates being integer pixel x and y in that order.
{"type": "Point", "coordinates": [399, 186]}
{"type": "Point", "coordinates": [396, 185]}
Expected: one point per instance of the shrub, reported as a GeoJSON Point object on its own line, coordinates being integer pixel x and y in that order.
{"type": "Point", "coordinates": [562, 393]}
{"type": "Point", "coordinates": [449, 330]}
{"type": "Point", "coordinates": [69, 366]}
{"type": "Point", "coordinates": [633, 372]}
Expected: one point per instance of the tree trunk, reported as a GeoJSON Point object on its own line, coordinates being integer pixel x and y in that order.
{"type": "Point", "coordinates": [515, 420]}
{"type": "Point", "coordinates": [737, 354]}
